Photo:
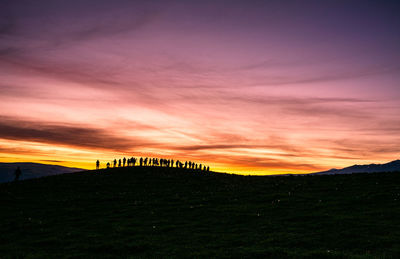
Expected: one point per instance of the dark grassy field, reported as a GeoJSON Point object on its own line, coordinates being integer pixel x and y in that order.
{"type": "Point", "coordinates": [160, 212]}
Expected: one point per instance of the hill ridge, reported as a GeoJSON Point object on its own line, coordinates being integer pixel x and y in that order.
{"type": "Point", "coordinates": [32, 170]}
{"type": "Point", "coordinates": [392, 166]}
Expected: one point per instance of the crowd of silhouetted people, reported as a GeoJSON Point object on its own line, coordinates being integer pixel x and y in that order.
{"type": "Point", "coordinates": [151, 161]}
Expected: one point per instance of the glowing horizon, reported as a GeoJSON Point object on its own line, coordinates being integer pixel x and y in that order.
{"type": "Point", "coordinates": [260, 88]}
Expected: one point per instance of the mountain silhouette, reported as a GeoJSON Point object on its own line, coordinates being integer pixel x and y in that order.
{"type": "Point", "coordinates": [393, 166]}
{"type": "Point", "coordinates": [32, 170]}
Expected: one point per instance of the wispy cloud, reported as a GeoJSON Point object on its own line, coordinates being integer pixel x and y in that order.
{"type": "Point", "coordinates": [70, 135]}
{"type": "Point", "coordinates": [52, 161]}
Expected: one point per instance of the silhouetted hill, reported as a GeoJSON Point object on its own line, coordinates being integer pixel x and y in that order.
{"type": "Point", "coordinates": [393, 166]}
{"type": "Point", "coordinates": [32, 170]}
{"type": "Point", "coordinates": [152, 212]}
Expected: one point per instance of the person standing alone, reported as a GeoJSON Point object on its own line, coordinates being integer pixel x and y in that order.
{"type": "Point", "coordinates": [17, 174]}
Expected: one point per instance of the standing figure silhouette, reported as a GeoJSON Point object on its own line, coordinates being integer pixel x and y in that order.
{"type": "Point", "coordinates": [17, 174]}
{"type": "Point", "coordinates": [97, 164]}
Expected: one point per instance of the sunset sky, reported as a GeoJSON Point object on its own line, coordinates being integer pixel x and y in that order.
{"type": "Point", "coordinates": [254, 87]}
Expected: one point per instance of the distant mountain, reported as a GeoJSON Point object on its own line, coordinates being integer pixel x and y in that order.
{"type": "Point", "coordinates": [32, 170]}
{"type": "Point", "coordinates": [371, 168]}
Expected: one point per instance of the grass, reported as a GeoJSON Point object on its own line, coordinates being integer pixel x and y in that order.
{"type": "Point", "coordinates": [162, 212]}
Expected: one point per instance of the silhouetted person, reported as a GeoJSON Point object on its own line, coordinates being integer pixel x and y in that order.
{"type": "Point", "coordinates": [108, 165]}
{"type": "Point", "coordinates": [97, 164]}
{"type": "Point", "coordinates": [115, 162]}
{"type": "Point", "coordinates": [17, 174]}
{"type": "Point", "coordinates": [141, 161]}
{"type": "Point", "coordinates": [134, 161]}
{"type": "Point", "coordinates": [119, 162]}
{"type": "Point", "coordinates": [124, 161]}
{"type": "Point", "coordinates": [172, 163]}
{"type": "Point", "coordinates": [208, 169]}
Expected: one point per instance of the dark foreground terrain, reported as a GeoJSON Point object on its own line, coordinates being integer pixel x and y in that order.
{"type": "Point", "coordinates": [159, 212]}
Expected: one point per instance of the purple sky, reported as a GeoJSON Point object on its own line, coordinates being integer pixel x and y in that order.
{"type": "Point", "coordinates": [245, 86]}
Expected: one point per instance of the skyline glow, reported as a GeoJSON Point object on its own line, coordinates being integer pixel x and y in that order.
{"type": "Point", "coordinates": [256, 87]}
